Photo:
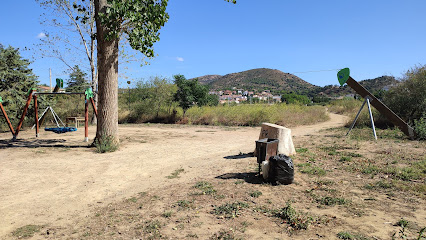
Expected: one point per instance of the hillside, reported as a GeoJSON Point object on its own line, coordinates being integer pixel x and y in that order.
{"type": "Point", "coordinates": [278, 81]}
{"type": "Point", "coordinates": [371, 85]}
{"type": "Point", "coordinates": [258, 79]}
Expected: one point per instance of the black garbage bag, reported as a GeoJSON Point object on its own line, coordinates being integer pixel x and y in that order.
{"type": "Point", "coordinates": [281, 169]}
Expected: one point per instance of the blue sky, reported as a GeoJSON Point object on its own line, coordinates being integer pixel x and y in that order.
{"type": "Point", "coordinates": [372, 38]}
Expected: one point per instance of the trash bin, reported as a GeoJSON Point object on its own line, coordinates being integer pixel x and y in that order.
{"type": "Point", "coordinates": [266, 148]}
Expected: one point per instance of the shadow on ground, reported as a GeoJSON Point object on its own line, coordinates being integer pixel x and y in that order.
{"type": "Point", "coordinates": [39, 143]}
{"type": "Point", "coordinates": [239, 156]}
{"type": "Point", "coordinates": [250, 177]}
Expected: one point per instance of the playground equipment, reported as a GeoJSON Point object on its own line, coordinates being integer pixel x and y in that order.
{"type": "Point", "coordinates": [344, 77]}
{"type": "Point", "coordinates": [32, 94]}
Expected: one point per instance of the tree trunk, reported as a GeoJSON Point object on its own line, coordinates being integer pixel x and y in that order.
{"type": "Point", "coordinates": [107, 127]}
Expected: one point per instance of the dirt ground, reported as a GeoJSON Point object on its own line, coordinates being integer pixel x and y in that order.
{"type": "Point", "coordinates": [146, 188]}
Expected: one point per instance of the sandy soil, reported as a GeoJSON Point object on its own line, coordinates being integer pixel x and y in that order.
{"type": "Point", "coordinates": [57, 179]}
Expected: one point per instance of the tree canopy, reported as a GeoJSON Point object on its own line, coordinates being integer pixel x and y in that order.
{"type": "Point", "coordinates": [16, 78]}
{"type": "Point", "coordinates": [77, 81]}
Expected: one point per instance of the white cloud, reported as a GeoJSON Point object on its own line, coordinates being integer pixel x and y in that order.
{"type": "Point", "coordinates": [180, 59]}
{"type": "Point", "coordinates": [41, 35]}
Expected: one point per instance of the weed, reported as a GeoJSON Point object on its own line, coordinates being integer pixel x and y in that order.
{"type": "Point", "coordinates": [153, 227]}
{"type": "Point", "coordinates": [402, 223]}
{"type": "Point", "coordinates": [205, 187]}
{"type": "Point", "coordinates": [350, 236]}
{"type": "Point", "coordinates": [350, 154]}
{"type": "Point", "coordinates": [230, 210]}
{"type": "Point", "coordinates": [132, 199]}
{"type": "Point", "coordinates": [380, 184]}
{"type": "Point", "coordinates": [225, 235]}
{"type": "Point", "coordinates": [311, 170]}
{"type": "Point", "coordinates": [295, 219]}
{"type": "Point", "coordinates": [191, 235]}
{"type": "Point", "coordinates": [345, 159]}
{"type": "Point", "coordinates": [167, 214]}
{"type": "Point", "coordinates": [239, 182]}
{"type": "Point", "coordinates": [370, 169]}
{"type": "Point", "coordinates": [26, 231]}
{"type": "Point", "coordinates": [331, 201]}
{"type": "Point", "coordinates": [106, 144]}
{"type": "Point", "coordinates": [255, 194]}
{"type": "Point", "coordinates": [321, 182]}
{"type": "Point", "coordinates": [176, 173]}
{"type": "Point", "coordinates": [301, 150]}
{"type": "Point", "coordinates": [185, 204]}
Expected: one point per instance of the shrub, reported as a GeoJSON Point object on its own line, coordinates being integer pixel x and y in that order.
{"type": "Point", "coordinates": [106, 144]}
{"type": "Point", "coordinates": [420, 128]}
{"type": "Point", "coordinates": [408, 99]}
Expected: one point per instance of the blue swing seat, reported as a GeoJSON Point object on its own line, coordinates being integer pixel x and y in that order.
{"type": "Point", "coordinates": [61, 129]}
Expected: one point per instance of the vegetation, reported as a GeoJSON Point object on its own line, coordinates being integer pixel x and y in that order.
{"type": "Point", "coordinates": [191, 92]}
{"type": "Point", "coordinates": [77, 81]}
{"type": "Point", "coordinates": [293, 98]}
{"type": "Point", "coordinates": [26, 231]}
{"type": "Point", "coordinates": [16, 79]}
{"type": "Point", "coordinates": [230, 210]}
{"type": "Point", "coordinates": [296, 220]}
{"type": "Point", "coordinates": [255, 114]}
{"type": "Point", "coordinates": [176, 173]}
{"type": "Point", "coordinates": [408, 99]}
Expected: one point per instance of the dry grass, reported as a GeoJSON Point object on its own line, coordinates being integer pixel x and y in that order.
{"type": "Point", "coordinates": [253, 115]}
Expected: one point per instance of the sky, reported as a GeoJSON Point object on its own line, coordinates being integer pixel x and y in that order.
{"type": "Point", "coordinates": [305, 37]}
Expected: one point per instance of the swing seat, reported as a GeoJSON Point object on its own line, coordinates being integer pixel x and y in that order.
{"type": "Point", "coordinates": [60, 130]}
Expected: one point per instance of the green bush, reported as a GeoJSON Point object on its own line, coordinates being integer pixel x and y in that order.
{"type": "Point", "coordinates": [408, 99]}
{"type": "Point", "coordinates": [420, 128]}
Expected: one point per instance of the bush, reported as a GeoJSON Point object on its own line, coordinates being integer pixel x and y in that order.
{"type": "Point", "coordinates": [420, 128]}
{"type": "Point", "coordinates": [408, 99]}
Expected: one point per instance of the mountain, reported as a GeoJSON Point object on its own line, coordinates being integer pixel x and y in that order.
{"type": "Point", "coordinates": [258, 79]}
{"type": "Point", "coordinates": [277, 81]}
{"type": "Point", "coordinates": [372, 85]}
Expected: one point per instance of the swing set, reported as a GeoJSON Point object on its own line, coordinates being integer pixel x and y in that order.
{"type": "Point", "coordinates": [32, 94]}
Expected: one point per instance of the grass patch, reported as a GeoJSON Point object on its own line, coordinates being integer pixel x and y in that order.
{"type": "Point", "coordinates": [255, 194]}
{"type": "Point", "coordinates": [296, 220]}
{"type": "Point", "coordinates": [255, 114]}
{"type": "Point", "coordinates": [380, 185]}
{"type": "Point", "coordinates": [176, 173]}
{"type": "Point", "coordinates": [205, 187]}
{"type": "Point", "coordinates": [26, 231]}
{"type": "Point", "coordinates": [310, 169]}
{"type": "Point", "coordinates": [224, 235]}
{"type": "Point", "coordinates": [331, 201]}
{"type": "Point", "coordinates": [345, 159]}
{"type": "Point", "coordinates": [167, 214]}
{"type": "Point", "coordinates": [230, 210]}
{"type": "Point", "coordinates": [301, 150]}
{"type": "Point", "coordinates": [351, 236]}
{"type": "Point", "coordinates": [106, 144]}
{"type": "Point", "coordinates": [184, 204]}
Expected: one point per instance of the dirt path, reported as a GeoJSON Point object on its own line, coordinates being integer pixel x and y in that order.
{"type": "Point", "coordinates": [56, 179]}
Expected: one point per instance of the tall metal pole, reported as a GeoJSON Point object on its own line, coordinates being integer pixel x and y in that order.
{"type": "Point", "coordinates": [371, 118]}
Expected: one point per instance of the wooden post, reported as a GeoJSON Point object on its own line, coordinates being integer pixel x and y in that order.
{"type": "Point", "coordinates": [395, 119]}
{"type": "Point", "coordinates": [23, 114]}
{"type": "Point", "coordinates": [7, 119]}
{"type": "Point", "coordinates": [86, 121]}
{"type": "Point", "coordinates": [36, 115]}
{"type": "Point", "coordinates": [94, 107]}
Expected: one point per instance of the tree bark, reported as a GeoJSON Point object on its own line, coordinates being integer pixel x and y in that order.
{"type": "Point", "coordinates": [107, 127]}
